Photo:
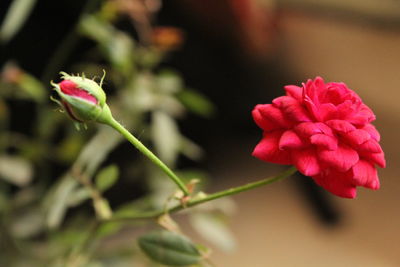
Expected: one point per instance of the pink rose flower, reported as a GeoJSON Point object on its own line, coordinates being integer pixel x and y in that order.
{"type": "Point", "coordinates": [325, 130]}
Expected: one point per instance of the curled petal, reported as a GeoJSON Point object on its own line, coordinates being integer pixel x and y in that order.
{"type": "Point", "coordinates": [365, 174]}
{"type": "Point", "coordinates": [308, 129]}
{"type": "Point", "coordinates": [290, 140]}
{"type": "Point", "coordinates": [341, 159]}
{"type": "Point", "coordinates": [372, 131]}
{"type": "Point", "coordinates": [370, 146]}
{"type": "Point", "coordinates": [268, 149]}
{"type": "Point", "coordinates": [292, 108]}
{"type": "Point", "coordinates": [359, 119]}
{"type": "Point", "coordinates": [319, 86]}
{"type": "Point", "coordinates": [367, 113]}
{"type": "Point", "coordinates": [312, 91]}
{"type": "Point", "coordinates": [345, 110]}
{"type": "Point", "coordinates": [340, 126]}
{"type": "Point", "coordinates": [335, 93]}
{"type": "Point", "coordinates": [262, 122]}
{"type": "Point", "coordinates": [275, 115]}
{"type": "Point", "coordinates": [306, 161]}
{"type": "Point", "coordinates": [327, 111]}
{"type": "Point", "coordinates": [337, 183]}
{"type": "Point", "coordinates": [324, 141]}
{"type": "Point", "coordinates": [377, 158]}
{"type": "Point", "coordinates": [312, 108]}
{"type": "Point", "coordinates": [357, 137]}
{"type": "Point", "coordinates": [294, 91]}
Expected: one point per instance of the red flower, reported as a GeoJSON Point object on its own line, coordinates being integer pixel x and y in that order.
{"type": "Point", "coordinates": [325, 130]}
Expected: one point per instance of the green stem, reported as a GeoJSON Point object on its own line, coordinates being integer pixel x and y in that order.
{"type": "Point", "coordinates": [220, 194]}
{"type": "Point", "coordinates": [142, 148]}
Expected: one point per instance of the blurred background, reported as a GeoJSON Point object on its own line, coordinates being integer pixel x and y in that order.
{"type": "Point", "coordinates": [192, 71]}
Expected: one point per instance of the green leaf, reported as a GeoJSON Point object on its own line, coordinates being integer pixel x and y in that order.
{"type": "Point", "coordinates": [107, 177]}
{"type": "Point", "coordinates": [97, 149]}
{"type": "Point", "coordinates": [169, 82]}
{"type": "Point", "coordinates": [96, 29]}
{"type": "Point", "coordinates": [78, 196]}
{"type": "Point", "coordinates": [191, 149]}
{"type": "Point", "coordinates": [15, 18]}
{"type": "Point", "coordinates": [169, 248]}
{"type": "Point", "coordinates": [102, 208]}
{"type": "Point", "coordinates": [196, 103]}
{"type": "Point", "coordinates": [166, 137]}
{"type": "Point", "coordinates": [57, 203]}
{"type": "Point", "coordinates": [15, 170]}
{"type": "Point", "coordinates": [116, 45]}
{"type": "Point", "coordinates": [33, 88]}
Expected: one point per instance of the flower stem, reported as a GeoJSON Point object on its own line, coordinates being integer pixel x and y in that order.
{"type": "Point", "coordinates": [220, 194]}
{"type": "Point", "coordinates": [142, 148]}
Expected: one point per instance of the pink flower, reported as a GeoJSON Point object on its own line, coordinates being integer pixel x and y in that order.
{"type": "Point", "coordinates": [325, 130]}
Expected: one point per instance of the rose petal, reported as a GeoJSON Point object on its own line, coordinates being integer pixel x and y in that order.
{"type": "Point", "coordinates": [327, 111]}
{"type": "Point", "coordinates": [340, 126]}
{"type": "Point", "coordinates": [358, 119]}
{"type": "Point", "coordinates": [370, 146]}
{"type": "Point", "coordinates": [307, 129]}
{"type": "Point", "coordinates": [262, 122]}
{"type": "Point", "coordinates": [290, 140]}
{"type": "Point", "coordinates": [337, 183]}
{"type": "Point", "coordinates": [274, 115]}
{"type": "Point", "coordinates": [294, 91]}
{"type": "Point", "coordinates": [292, 108]}
{"type": "Point", "coordinates": [372, 131]}
{"type": "Point", "coordinates": [365, 174]}
{"type": "Point", "coordinates": [70, 88]}
{"type": "Point", "coordinates": [341, 159]}
{"type": "Point", "coordinates": [377, 158]}
{"type": "Point", "coordinates": [268, 149]}
{"type": "Point", "coordinates": [324, 141]}
{"type": "Point", "coordinates": [345, 110]}
{"type": "Point", "coordinates": [312, 108]}
{"type": "Point", "coordinates": [306, 161]}
{"type": "Point", "coordinates": [335, 93]}
{"type": "Point", "coordinates": [357, 137]}
{"type": "Point", "coordinates": [367, 112]}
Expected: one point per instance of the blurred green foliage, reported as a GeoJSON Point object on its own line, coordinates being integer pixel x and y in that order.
{"type": "Point", "coordinates": [44, 219]}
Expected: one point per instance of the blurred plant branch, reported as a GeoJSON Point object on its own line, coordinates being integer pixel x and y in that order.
{"type": "Point", "coordinates": [203, 198]}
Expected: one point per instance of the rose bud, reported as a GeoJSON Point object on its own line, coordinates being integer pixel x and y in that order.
{"type": "Point", "coordinates": [325, 130]}
{"type": "Point", "coordinates": [83, 99]}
